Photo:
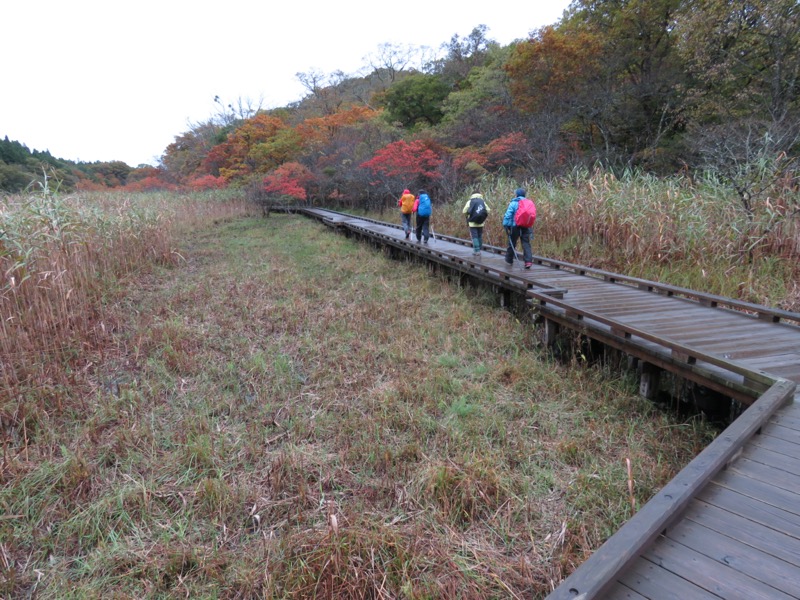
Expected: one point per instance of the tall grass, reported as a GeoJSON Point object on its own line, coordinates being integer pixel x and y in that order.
{"type": "Point", "coordinates": [286, 413]}
{"type": "Point", "coordinates": [694, 233]}
{"type": "Point", "coordinates": [61, 256]}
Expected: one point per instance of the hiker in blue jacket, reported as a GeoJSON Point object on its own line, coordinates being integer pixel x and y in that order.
{"type": "Point", "coordinates": [422, 206]}
{"type": "Point", "coordinates": [515, 232]}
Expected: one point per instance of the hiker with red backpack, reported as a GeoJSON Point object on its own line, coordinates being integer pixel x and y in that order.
{"type": "Point", "coordinates": [518, 223]}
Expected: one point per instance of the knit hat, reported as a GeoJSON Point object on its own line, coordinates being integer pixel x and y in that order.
{"type": "Point", "coordinates": [476, 195]}
{"type": "Point", "coordinates": [520, 193]}
{"type": "Point", "coordinates": [406, 192]}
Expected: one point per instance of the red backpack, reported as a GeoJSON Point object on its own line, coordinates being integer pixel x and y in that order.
{"type": "Point", "coordinates": [526, 213]}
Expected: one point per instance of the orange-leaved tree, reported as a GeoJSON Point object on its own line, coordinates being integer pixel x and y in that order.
{"type": "Point", "coordinates": [318, 131]}
{"type": "Point", "coordinates": [238, 156]}
{"type": "Point", "coordinates": [553, 69]}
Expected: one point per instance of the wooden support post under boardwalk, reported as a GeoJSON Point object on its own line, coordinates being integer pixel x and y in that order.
{"type": "Point", "coordinates": [612, 357]}
{"type": "Point", "coordinates": [505, 298]}
{"type": "Point", "coordinates": [550, 332]}
{"type": "Point", "coordinates": [649, 381]}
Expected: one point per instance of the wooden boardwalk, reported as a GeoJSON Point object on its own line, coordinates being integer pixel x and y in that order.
{"type": "Point", "coordinates": [728, 526]}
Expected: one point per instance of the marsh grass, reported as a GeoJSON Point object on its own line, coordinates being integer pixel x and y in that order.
{"type": "Point", "coordinates": [61, 258]}
{"type": "Point", "coordinates": [692, 233]}
{"type": "Point", "coordinates": [284, 413]}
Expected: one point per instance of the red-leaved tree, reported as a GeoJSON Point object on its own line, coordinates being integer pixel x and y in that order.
{"type": "Point", "coordinates": [289, 180]}
{"type": "Point", "coordinates": [207, 182]}
{"type": "Point", "coordinates": [405, 164]}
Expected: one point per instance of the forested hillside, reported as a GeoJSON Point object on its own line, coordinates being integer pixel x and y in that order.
{"type": "Point", "coordinates": [661, 86]}
{"type": "Point", "coordinates": [22, 168]}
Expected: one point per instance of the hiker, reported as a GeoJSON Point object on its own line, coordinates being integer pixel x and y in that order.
{"type": "Point", "coordinates": [406, 204]}
{"type": "Point", "coordinates": [476, 209]}
{"type": "Point", "coordinates": [518, 223]}
{"type": "Point", "coordinates": [422, 206]}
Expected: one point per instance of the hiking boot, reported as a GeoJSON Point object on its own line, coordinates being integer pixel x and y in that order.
{"type": "Point", "coordinates": [408, 235]}
{"type": "Point", "coordinates": [509, 262]}
{"type": "Point", "coordinates": [528, 265]}
{"type": "Point", "coordinates": [476, 252]}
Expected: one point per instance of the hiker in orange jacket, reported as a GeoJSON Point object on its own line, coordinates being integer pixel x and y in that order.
{"type": "Point", "coordinates": [406, 204]}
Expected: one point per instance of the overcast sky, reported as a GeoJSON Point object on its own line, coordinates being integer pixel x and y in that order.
{"type": "Point", "coordinates": [108, 80]}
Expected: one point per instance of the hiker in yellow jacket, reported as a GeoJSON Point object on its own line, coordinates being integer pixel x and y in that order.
{"type": "Point", "coordinates": [406, 204]}
{"type": "Point", "coordinates": [476, 209]}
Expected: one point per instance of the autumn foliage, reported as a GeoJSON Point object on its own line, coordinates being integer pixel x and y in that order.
{"type": "Point", "coordinates": [288, 180]}
{"type": "Point", "coordinates": [661, 86]}
{"type": "Point", "coordinates": [207, 182]}
{"type": "Point", "coordinates": [239, 155]}
{"type": "Point", "coordinates": [552, 67]}
{"type": "Point", "coordinates": [409, 160]}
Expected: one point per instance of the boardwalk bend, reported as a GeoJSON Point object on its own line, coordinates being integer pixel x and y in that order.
{"type": "Point", "coordinates": [728, 525]}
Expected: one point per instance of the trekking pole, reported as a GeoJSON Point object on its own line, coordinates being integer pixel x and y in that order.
{"type": "Point", "coordinates": [508, 234]}
{"type": "Point", "coordinates": [433, 233]}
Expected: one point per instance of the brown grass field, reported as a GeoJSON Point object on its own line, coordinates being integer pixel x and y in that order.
{"type": "Point", "coordinates": [209, 404]}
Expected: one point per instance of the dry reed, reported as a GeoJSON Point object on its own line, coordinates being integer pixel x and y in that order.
{"type": "Point", "coordinates": [693, 233]}
{"type": "Point", "coordinates": [59, 258]}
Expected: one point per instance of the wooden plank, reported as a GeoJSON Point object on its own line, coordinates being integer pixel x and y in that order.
{"type": "Point", "coordinates": [710, 299]}
{"type": "Point", "coordinates": [596, 575]}
{"type": "Point", "coordinates": [623, 592]}
{"type": "Point", "coordinates": [666, 342]}
{"type": "Point", "coordinates": [753, 348]}
{"type": "Point", "coordinates": [595, 291]}
{"type": "Point", "coordinates": [777, 430]}
{"type": "Point", "coordinates": [729, 553]}
{"type": "Point", "coordinates": [637, 314]}
{"type": "Point", "coordinates": [748, 336]}
{"type": "Point", "coordinates": [793, 408]}
{"type": "Point", "coordinates": [763, 456]}
{"type": "Point", "coordinates": [789, 417]}
{"type": "Point", "coordinates": [744, 325]}
{"type": "Point", "coordinates": [791, 373]}
{"type": "Point", "coordinates": [767, 473]}
{"type": "Point", "coordinates": [775, 361]}
{"type": "Point", "coordinates": [651, 581]}
{"type": "Point", "coordinates": [713, 576]}
{"type": "Point", "coordinates": [758, 490]}
{"type": "Point", "coordinates": [608, 297]}
{"type": "Point", "coordinates": [777, 445]}
{"type": "Point", "coordinates": [716, 378]}
{"type": "Point", "coordinates": [751, 509]}
{"type": "Point", "coordinates": [675, 318]}
{"type": "Point", "coordinates": [758, 353]}
{"type": "Point", "coordinates": [755, 535]}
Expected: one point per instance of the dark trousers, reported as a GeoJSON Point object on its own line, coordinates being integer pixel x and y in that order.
{"type": "Point", "coordinates": [405, 219]}
{"type": "Point", "coordinates": [422, 227]}
{"type": "Point", "coordinates": [524, 234]}
{"type": "Point", "coordinates": [476, 233]}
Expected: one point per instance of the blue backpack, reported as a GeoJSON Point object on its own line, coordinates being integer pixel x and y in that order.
{"type": "Point", "coordinates": [424, 208]}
